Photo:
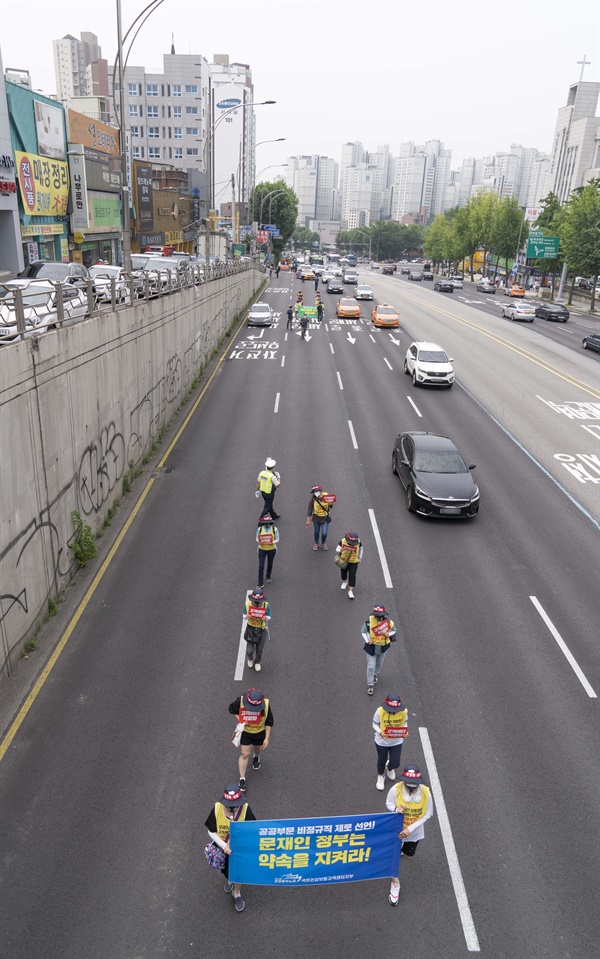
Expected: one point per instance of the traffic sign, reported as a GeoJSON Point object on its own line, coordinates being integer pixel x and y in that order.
{"type": "Point", "coordinates": [540, 247]}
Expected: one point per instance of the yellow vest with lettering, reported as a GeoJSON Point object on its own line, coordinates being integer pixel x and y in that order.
{"type": "Point", "coordinates": [383, 639]}
{"type": "Point", "coordinates": [349, 553]}
{"type": "Point", "coordinates": [320, 509]}
{"type": "Point", "coordinates": [223, 823]}
{"type": "Point", "coordinates": [254, 620]}
{"type": "Point", "coordinates": [392, 722]}
{"type": "Point", "coordinates": [413, 810]}
{"type": "Point", "coordinates": [265, 478]}
{"type": "Point", "coordinates": [263, 530]}
{"type": "Point", "coordinates": [260, 724]}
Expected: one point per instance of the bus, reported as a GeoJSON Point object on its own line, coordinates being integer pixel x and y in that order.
{"type": "Point", "coordinates": [315, 259]}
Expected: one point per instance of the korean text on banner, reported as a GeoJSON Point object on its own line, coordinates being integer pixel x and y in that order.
{"type": "Point", "coordinates": [44, 184]}
{"type": "Point", "coordinates": [309, 852]}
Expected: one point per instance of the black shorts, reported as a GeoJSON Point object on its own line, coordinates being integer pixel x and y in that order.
{"type": "Point", "coordinates": [253, 739]}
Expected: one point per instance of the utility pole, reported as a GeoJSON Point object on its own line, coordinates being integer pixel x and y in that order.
{"type": "Point", "coordinates": [125, 188]}
{"type": "Point", "coordinates": [234, 238]}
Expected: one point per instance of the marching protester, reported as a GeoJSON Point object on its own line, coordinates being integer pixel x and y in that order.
{"type": "Point", "coordinates": [319, 511]}
{"type": "Point", "coordinates": [266, 485]}
{"type": "Point", "coordinates": [267, 537]}
{"type": "Point", "coordinates": [257, 616]}
{"type": "Point", "coordinates": [378, 631]}
{"type": "Point", "coordinates": [349, 552]}
{"type": "Point", "coordinates": [319, 311]}
{"type": "Point", "coordinates": [231, 808]}
{"type": "Point", "coordinates": [255, 714]}
{"type": "Point", "coordinates": [413, 798]}
{"type": "Point", "coordinates": [390, 726]}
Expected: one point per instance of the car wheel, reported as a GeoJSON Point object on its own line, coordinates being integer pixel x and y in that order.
{"type": "Point", "coordinates": [531, 320]}
{"type": "Point", "coordinates": [414, 378]}
{"type": "Point", "coordinates": [394, 467]}
{"type": "Point", "coordinates": [410, 504]}
{"type": "Point", "coordinates": [406, 369]}
{"type": "Point", "coordinates": [565, 320]}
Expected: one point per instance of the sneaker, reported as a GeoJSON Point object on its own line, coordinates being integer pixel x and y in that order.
{"type": "Point", "coordinates": [256, 762]}
{"type": "Point", "coordinates": [269, 580]}
{"type": "Point", "coordinates": [380, 784]}
{"type": "Point", "coordinates": [350, 594]}
{"type": "Point", "coordinates": [344, 584]}
{"type": "Point", "coordinates": [242, 785]}
{"type": "Point", "coordinates": [257, 667]}
{"type": "Point", "coordinates": [394, 893]}
{"type": "Point", "coordinates": [240, 905]}
{"type": "Point", "coordinates": [259, 585]}
{"type": "Point", "coordinates": [375, 679]}
{"type": "Point", "coordinates": [390, 773]}
{"type": "Point", "coordinates": [324, 546]}
{"type": "Point", "coordinates": [250, 662]}
{"type": "Point", "coordinates": [369, 690]}
{"type": "Point", "coordinates": [227, 886]}
{"type": "Point", "coordinates": [316, 547]}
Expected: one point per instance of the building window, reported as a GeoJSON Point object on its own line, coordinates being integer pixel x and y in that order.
{"type": "Point", "coordinates": [132, 89]}
{"type": "Point", "coordinates": [152, 89]}
{"type": "Point", "coordinates": [135, 153]}
{"type": "Point", "coordinates": [191, 88]}
{"type": "Point", "coordinates": [178, 153]}
{"type": "Point", "coordinates": [134, 131]}
{"type": "Point", "coordinates": [154, 153]}
{"type": "Point", "coordinates": [191, 152]}
{"type": "Point", "coordinates": [177, 113]}
{"type": "Point", "coordinates": [178, 133]}
{"type": "Point", "coordinates": [191, 131]}
{"type": "Point", "coordinates": [176, 90]}
{"type": "Point", "coordinates": [153, 133]}
{"type": "Point", "coordinates": [193, 111]}
{"type": "Point", "coordinates": [152, 112]}
{"type": "Point", "coordinates": [134, 111]}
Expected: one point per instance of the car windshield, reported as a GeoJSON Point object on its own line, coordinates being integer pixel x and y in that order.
{"type": "Point", "coordinates": [53, 271]}
{"type": "Point", "coordinates": [427, 461]}
{"type": "Point", "coordinates": [261, 308]}
{"type": "Point", "coordinates": [105, 271]}
{"type": "Point", "coordinates": [139, 262]}
{"type": "Point", "coordinates": [432, 356]}
{"type": "Point", "coordinates": [386, 310]}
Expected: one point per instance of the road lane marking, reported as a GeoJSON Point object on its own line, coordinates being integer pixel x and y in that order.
{"type": "Point", "coordinates": [241, 656]}
{"type": "Point", "coordinates": [276, 410]}
{"type": "Point", "coordinates": [372, 337]}
{"type": "Point", "coordinates": [389, 364]}
{"type": "Point", "coordinates": [285, 337]}
{"type": "Point", "coordinates": [460, 892]}
{"type": "Point", "coordinates": [565, 649]}
{"type": "Point", "coordinates": [340, 381]}
{"type": "Point", "coordinates": [327, 327]}
{"type": "Point", "coordinates": [352, 435]}
{"type": "Point", "coordinates": [412, 403]}
{"type": "Point", "coordinates": [380, 550]}
{"type": "Point", "coordinates": [331, 348]}
{"type": "Point", "coordinates": [283, 360]}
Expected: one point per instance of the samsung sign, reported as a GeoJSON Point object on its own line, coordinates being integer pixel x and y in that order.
{"type": "Point", "coordinates": [228, 104]}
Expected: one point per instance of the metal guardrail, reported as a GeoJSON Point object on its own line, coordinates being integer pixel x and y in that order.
{"type": "Point", "coordinates": [24, 314]}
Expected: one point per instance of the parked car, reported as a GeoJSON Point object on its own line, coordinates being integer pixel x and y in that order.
{"type": "Point", "coordinates": [484, 286]}
{"type": "Point", "coordinates": [347, 307]}
{"type": "Point", "coordinates": [552, 311]}
{"type": "Point", "coordinates": [435, 476]}
{"type": "Point", "coordinates": [260, 314]}
{"type": "Point", "coordinates": [102, 277]}
{"type": "Point", "coordinates": [363, 292]}
{"type": "Point", "coordinates": [514, 290]}
{"type": "Point", "coordinates": [49, 270]}
{"type": "Point", "coordinates": [591, 342]}
{"type": "Point", "coordinates": [443, 285]}
{"type": "Point", "coordinates": [335, 285]}
{"type": "Point", "coordinates": [40, 306]}
{"type": "Point", "coordinates": [519, 311]}
{"type": "Point", "coordinates": [384, 315]}
{"type": "Point", "coordinates": [428, 363]}
{"type": "Point", "coordinates": [415, 275]}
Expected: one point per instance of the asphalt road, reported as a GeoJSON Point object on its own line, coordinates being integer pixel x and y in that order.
{"type": "Point", "coordinates": [108, 781]}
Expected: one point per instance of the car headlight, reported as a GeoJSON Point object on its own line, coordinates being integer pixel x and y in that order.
{"type": "Point", "coordinates": [422, 493]}
{"type": "Point", "coordinates": [475, 495]}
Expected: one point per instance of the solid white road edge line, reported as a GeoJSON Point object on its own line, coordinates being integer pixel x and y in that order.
{"type": "Point", "coordinates": [283, 360]}
{"type": "Point", "coordinates": [340, 381]}
{"type": "Point", "coordinates": [389, 364]}
{"type": "Point", "coordinates": [413, 405]}
{"type": "Point", "coordinates": [276, 410]}
{"type": "Point", "coordinates": [565, 649]}
{"type": "Point", "coordinates": [455, 872]}
{"type": "Point", "coordinates": [352, 435]}
{"type": "Point", "coordinates": [239, 665]}
{"type": "Point", "coordinates": [382, 559]}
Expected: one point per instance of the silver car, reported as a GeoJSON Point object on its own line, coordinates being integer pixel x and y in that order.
{"type": "Point", "coordinates": [40, 307]}
{"type": "Point", "coordinates": [363, 292]}
{"type": "Point", "coordinates": [260, 314]}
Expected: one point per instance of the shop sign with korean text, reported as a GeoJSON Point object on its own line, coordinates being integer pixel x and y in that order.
{"type": "Point", "coordinates": [43, 184]}
{"type": "Point", "coordinates": [105, 212]}
{"type": "Point", "coordinates": [309, 852]}
{"type": "Point", "coordinates": [93, 134]}
{"type": "Point", "coordinates": [79, 200]}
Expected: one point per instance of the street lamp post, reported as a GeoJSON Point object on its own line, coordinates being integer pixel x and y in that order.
{"type": "Point", "coordinates": [370, 239]}
{"type": "Point", "coordinates": [239, 170]}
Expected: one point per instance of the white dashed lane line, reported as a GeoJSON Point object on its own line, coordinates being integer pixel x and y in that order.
{"type": "Point", "coordinates": [276, 410]}
{"type": "Point", "coordinates": [283, 360]}
{"type": "Point", "coordinates": [564, 648]}
{"type": "Point", "coordinates": [388, 363]}
{"type": "Point", "coordinates": [331, 348]}
{"type": "Point", "coordinates": [414, 406]}
{"type": "Point", "coordinates": [372, 337]}
{"type": "Point", "coordinates": [380, 550]}
{"type": "Point", "coordinates": [340, 380]}
{"type": "Point", "coordinates": [352, 434]}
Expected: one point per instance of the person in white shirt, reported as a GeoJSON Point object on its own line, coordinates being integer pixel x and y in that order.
{"type": "Point", "coordinates": [413, 798]}
{"type": "Point", "coordinates": [391, 729]}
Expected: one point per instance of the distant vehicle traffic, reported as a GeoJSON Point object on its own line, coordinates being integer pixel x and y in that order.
{"type": "Point", "coordinates": [384, 315]}
{"type": "Point", "coordinates": [350, 276]}
{"type": "Point", "coordinates": [416, 276]}
{"type": "Point", "coordinates": [552, 311]}
{"type": "Point", "coordinates": [443, 285]}
{"type": "Point", "coordinates": [428, 363]}
{"type": "Point", "coordinates": [363, 292]}
{"type": "Point", "coordinates": [484, 286]}
{"type": "Point", "coordinates": [436, 479]}
{"type": "Point", "coordinates": [335, 285]}
{"type": "Point", "coordinates": [514, 290]}
{"type": "Point", "coordinates": [388, 271]}
{"type": "Point", "coordinates": [457, 281]}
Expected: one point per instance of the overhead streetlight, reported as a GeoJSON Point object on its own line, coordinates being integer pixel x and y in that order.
{"type": "Point", "coordinates": [239, 169]}
{"type": "Point", "coordinates": [271, 167]}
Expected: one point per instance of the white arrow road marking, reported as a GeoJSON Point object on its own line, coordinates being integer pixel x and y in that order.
{"type": "Point", "coordinates": [351, 338]}
{"type": "Point", "coordinates": [394, 340]}
{"type": "Point", "coordinates": [256, 336]}
{"type": "Point", "coordinates": [307, 337]}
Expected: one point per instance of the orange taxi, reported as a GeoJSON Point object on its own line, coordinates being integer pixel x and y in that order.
{"type": "Point", "coordinates": [514, 291]}
{"type": "Point", "coordinates": [307, 273]}
{"type": "Point", "coordinates": [385, 315]}
{"type": "Point", "coordinates": [348, 307]}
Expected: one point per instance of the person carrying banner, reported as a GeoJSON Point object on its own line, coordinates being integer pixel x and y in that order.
{"type": "Point", "coordinates": [257, 616]}
{"type": "Point", "coordinates": [231, 808]}
{"type": "Point", "coordinates": [319, 511]}
{"type": "Point", "coordinates": [378, 632]}
{"type": "Point", "coordinates": [350, 550]}
{"type": "Point", "coordinates": [267, 537]}
{"type": "Point", "coordinates": [390, 726]}
{"type": "Point", "coordinates": [266, 485]}
{"type": "Point", "coordinates": [256, 715]}
{"type": "Point", "coordinates": [413, 798]}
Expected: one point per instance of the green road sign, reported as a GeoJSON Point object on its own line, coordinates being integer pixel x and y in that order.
{"type": "Point", "coordinates": [542, 247]}
{"type": "Point", "coordinates": [238, 249]}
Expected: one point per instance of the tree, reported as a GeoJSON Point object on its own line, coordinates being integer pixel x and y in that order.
{"type": "Point", "coordinates": [278, 200]}
{"type": "Point", "coordinates": [483, 213]}
{"type": "Point", "coordinates": [436, 239]}
{"type": "Point", "coordinates": [508, 226]}
{"type": "Point", "coordinates": [303, 238]}
{"type": "Point", "coordinates": [463, 239]}
{"type": "Point", "coordinates": [550, 222]}
{"type": "Point", "coordinates": [581, 232]}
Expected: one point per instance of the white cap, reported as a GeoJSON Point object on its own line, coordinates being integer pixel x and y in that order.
{"type": "Point", "coordinates": [270, 462]}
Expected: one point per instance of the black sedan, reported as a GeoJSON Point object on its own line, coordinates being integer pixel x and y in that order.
{"type": "Point", "coordinates": [591, 342]}
{"type": "Point", "coordinates": [388, 271]}
{"type": "Point", "coordinates": [436, 478]}
{"type": "Point", "coordinates": [552, 311]}
{"type": "Point", "coordinates": [415, 275]}
{"type": "Point", "coordinates": [444, 286]}
{"type": "Point", "coordinates": [335, 285]}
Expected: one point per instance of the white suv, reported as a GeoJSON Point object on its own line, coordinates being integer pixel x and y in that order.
{"type": "Point", "coordinates": [457, 281]}
{"type": "Point", "coordinates": [428, 363]}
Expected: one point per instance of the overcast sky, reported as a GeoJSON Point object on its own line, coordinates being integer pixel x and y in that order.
{"type": "Point", "coordinates": [477, 75]}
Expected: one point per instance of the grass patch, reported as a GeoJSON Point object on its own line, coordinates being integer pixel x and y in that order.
{"type": "Point", "coordinates": [84, 546]}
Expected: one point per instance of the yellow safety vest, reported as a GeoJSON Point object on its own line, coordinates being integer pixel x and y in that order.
{"type": "Point", "coordinates": [320, 509]}
{"type": "Point", "coordinates": [267, 531]}
{"type": "Point", "coordinates": [349, 553]}
{"type": "Point", "coordinates": [382, 638]}
{"type": "Point", "coordinates": [223, 823]}
{"type": "Point", "coordinates": [413, 810]}
{"type": "Point", "coordinates": [259, 725]}
{"type": "Point", "coordinates": [256, 620]}
{"type": "Point", "coordinates": [393, 725]}
{"type": "Point", "coordinates": [265, 478]}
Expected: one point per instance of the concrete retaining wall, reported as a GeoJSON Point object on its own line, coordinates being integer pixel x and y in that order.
{"type": "Point", "coordinates": [77, 407]}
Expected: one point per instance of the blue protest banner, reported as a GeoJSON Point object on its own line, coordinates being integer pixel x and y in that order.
{"type": "Point", "coordinates": [307, 852]}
